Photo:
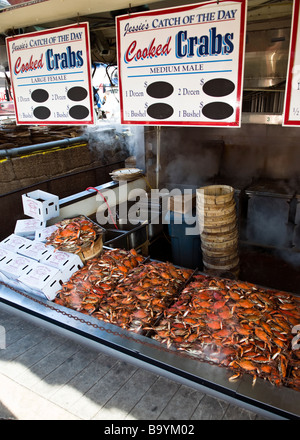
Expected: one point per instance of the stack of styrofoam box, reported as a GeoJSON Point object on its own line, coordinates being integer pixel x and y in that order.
{"type": "Point", "coordinates": [48, 268]}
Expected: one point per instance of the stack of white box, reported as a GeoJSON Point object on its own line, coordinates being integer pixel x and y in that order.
{"type": "Point", "coordinates": [28, 227]}
{"type": "Point", "coordinates": [25, 261]}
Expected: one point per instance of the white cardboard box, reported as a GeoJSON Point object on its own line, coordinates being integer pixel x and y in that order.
{"type": "Point", "coordinates": [44, 233]}
{"type": "Point", "coordinates": [40, 205]}
{"type": "Point", "coordinates": [10, 282]}
{"type": "Point", "coordinates": [66, 262]}
{"type": "Point", "coordinates": [16, 265]}
{"type": "Point", "coordinates": [35, 250]}
{"type": "Point", "coordinates": [3, 256]}
{"type": "Point", "coordinates": [4, 253]}
{"type": "Point", "coordinates": [42, 280]}
{"type": "Point", "coordinates": [14, 242]}
{"type": "Point", "coordinates": [28, 227]}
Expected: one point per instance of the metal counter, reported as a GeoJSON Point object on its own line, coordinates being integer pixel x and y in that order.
{"type": "Point", "coordinates": [264, 398]}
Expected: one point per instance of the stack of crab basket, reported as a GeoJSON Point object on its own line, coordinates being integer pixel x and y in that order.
{"type": "Point", "coordinates": [216, 212]}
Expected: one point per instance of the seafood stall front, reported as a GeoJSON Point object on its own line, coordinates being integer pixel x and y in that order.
{"type": "Point", "coordinates": [229, 338]}
{"type": "Point", "coordinates": [154, 276]}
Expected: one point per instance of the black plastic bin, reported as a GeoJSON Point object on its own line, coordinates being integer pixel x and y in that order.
{"type": "Point", "coordinates": [186, 248]}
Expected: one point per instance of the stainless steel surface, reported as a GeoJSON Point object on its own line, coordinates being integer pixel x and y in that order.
{"type": "Point", "coordinates": [266, 57]}
{"type": "Point", "coordinates": [54, 375]}
{"type": "Point", "coordinates": [261, 119]}
{"type": "Point", "coordinates": [155, 227]}
{"type": "Point", "coordinates": [90, 202]}
{"type": "Point", "coordinates": [141, 351]}
{"type": "Point", "coordinates": [127, 236]}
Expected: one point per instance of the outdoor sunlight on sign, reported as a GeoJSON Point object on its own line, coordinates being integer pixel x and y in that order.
{"type": "Point", "coordinates": [51, 76]}
{"type": "Point", "coordinates": [182, 66]}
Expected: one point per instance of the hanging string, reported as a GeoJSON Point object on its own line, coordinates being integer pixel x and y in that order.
{"type": "Point", "coordinates": [147, 181]}
{"type": "Point", "coordinates": [104, 198]}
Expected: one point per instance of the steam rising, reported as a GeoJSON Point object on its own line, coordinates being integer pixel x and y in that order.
{"type": "Point", "coordinates": [194, 157]}
{"type": "Point", "coordinates": [112, 142]}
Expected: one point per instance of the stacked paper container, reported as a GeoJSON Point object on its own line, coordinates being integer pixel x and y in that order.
{"type": "Point", "coordinates": [216, 211]}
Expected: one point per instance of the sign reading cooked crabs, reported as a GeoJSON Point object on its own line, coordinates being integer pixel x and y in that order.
{"type": "Point", "coordinates": [51, 76]}
{"type": "Point", "coordinates": [182, 66]}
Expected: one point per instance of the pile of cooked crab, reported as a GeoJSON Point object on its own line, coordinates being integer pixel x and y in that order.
{"type": "Point", "coordinates": [234, 324]}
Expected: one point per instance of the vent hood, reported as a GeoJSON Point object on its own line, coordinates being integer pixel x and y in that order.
{"type": "Point", "coordinates": [266, 58]}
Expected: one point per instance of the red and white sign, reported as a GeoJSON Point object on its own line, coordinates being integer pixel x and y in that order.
{"type": "Point", "coordinates": [183, 65]}
{"type": "Point", "coordinates": [51, 76]}
{"type": "Point", "coordinates": [291, 113]}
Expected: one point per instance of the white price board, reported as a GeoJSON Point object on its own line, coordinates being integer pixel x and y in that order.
{"type": "Point", "coordinates": [291, 113]}
{"type": "Point", "coordinates": [51, 76]}
{"type": "Point", "coordinates": [183, 65]}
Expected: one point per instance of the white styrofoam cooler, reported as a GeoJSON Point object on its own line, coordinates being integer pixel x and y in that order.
{"type": "Point", "coordinates": [40, 205]}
